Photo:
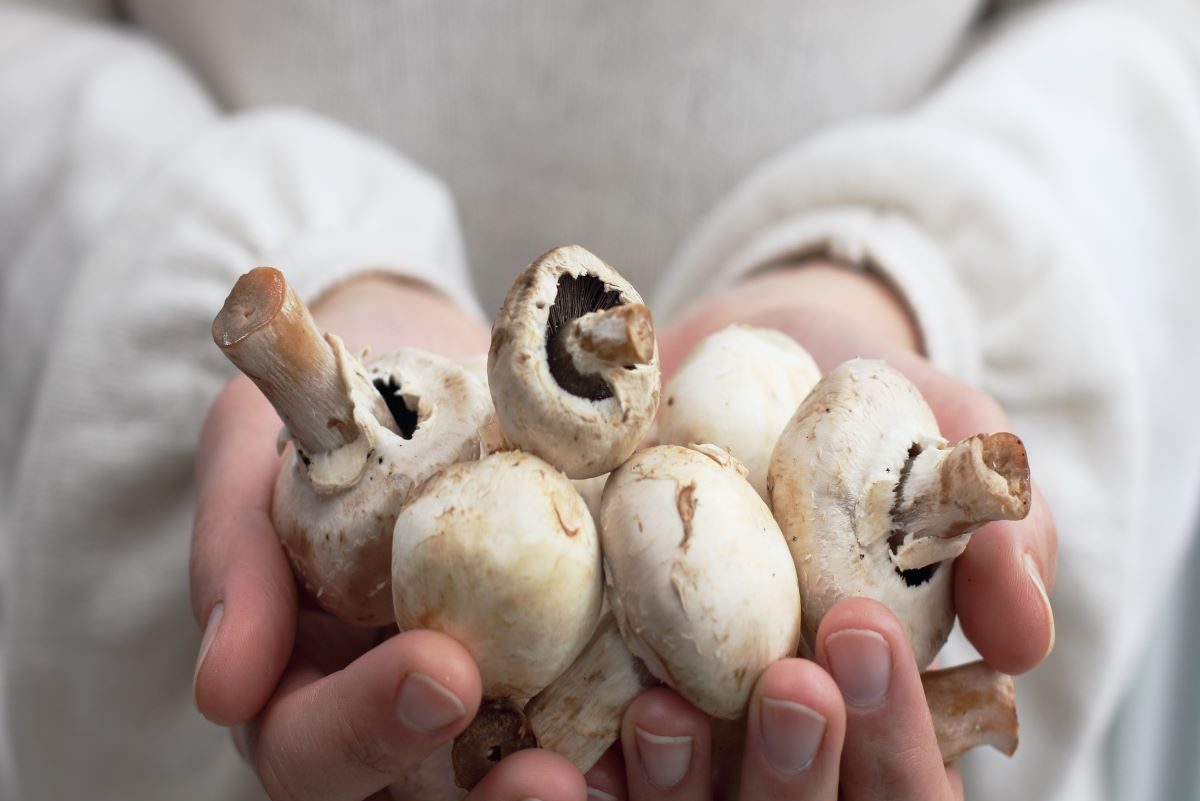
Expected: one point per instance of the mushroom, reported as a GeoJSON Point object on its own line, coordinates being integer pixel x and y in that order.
{"type": "Point", "coordinates": [361, 439]}
{"type": "Point", "coordinates": [573, 365]}
{"type": "Point", "coordinates": [738, 388]}
{"type": "Point", "coordinates": [971, 705]}
{"type": "Point", "coordinates": [703, 593]}
{"type": "Point", "coordinates": [592, 490]}
{"type": "Point", "coordinates": [874, 503]}
{"type": "Point", "coordinates": [502, 555]}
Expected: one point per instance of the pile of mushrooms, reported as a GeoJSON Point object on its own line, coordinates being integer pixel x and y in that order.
{"type": "Point", "coordinates": [508, 510]}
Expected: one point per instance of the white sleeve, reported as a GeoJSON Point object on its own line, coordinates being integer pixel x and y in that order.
{"type": "Point", "coordinates": [1040, 213]}
{"type": "Point", "coordinates": [128, 207]}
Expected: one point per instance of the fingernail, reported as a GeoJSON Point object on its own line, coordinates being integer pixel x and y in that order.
{"type": "Point", "coordinates": [1035, 576]}
{"type": "Point", "coordinates": [791, 734]}
{"type": "Point", "coordinates": [210, 634]}
{"type": "Point", "coordinates": [425, 706]}
{"type": "Point", "coordinates": [600, 795]}
{"type": "Point", "coordinates": [665, 759]}
{"type": "Point", "coordinates": [861, 663]}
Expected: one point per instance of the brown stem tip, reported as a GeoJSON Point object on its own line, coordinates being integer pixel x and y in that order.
{"type": "Point", "coordinates": [951, 492]}
{"type": "Point", "coordinates": [268, 333]}
{"type": "Point", "coordinates": [499, 729]}
{"type": "Point", "coordinates": [623, 335]}
{"type": "Point", "coordinates": [971, 705]}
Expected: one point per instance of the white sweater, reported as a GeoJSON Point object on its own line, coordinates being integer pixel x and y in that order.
{"type": "Point", "coordinates": [1034, 192]}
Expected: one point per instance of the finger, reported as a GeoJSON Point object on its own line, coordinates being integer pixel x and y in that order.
{"type": "Point", "coordinates": [328, 644]}
{"type": "Point", "coordinates": [956, 783]}
{"type": "Point", "coordinates": [1000, 590]}
{"type": "Point", "coordinates": [890, 749]}
{"type": "Point", "coordinates": [606, 779]}
{"type": "Point", "coordinates": [534, 774]}
{"type": "Point", "coordinates": [794, 735]}
{"type": "Point", "coordinates": [1000, 581]}
{"type": "Point", "coordinates": [351, 733]}
{"type": "Point", "coordinates": [667, 747]}
{"type": "Point", "coordinates": [243, 593]}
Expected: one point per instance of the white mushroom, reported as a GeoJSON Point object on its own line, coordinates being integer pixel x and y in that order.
{"type": "Point", "coordinates": [503, 556]}
{"type": "Point", "coordinates": [971, 705]}
{"type": "Point", "coordinates": [873, 503]}
{"type": "Point", "coordinates": [592, 491]}
{"type": "Point", "coordinates": [362, 439]}
{"type": "Point", "coordinates": [703, 590]}
{"type": "Point", "coordinates": [738, 388]}
{"type": "Point", "coordinates": [573, 365]}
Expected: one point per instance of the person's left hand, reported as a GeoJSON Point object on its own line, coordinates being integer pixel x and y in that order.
{"type": "Point", "coordinates": [853, 724]}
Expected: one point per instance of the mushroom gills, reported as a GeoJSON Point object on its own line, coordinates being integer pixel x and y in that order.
{"type": "Point", "coordinates": [404, 410]}
{"type": "Point", "coordinates": [913, 577]}
{"type": "Point", "coordinates": [576, 296]}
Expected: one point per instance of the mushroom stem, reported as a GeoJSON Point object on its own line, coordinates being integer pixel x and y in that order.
{"type": "Point", "coordinates": [499, 729]}
{"type": "Point", "coordinates": [579, 715]}
{"type": "Point", "coordinates": [268, 333]}
{"type": "Point", "coordinates": [971, 705]}
{"type": "Point", "coordinates": [946, 493]}
{"type": "Point", "coordinates": [618, 336]}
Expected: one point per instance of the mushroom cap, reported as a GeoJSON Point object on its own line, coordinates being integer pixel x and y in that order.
{"type": "Point", "coordinates": [738, 388]}
{"type": "Point", "coordinates": [578, 435]}
{"type": "Point", "coordinates": [592, 491]}
{"type": "Point", "coordinates": [502, 555]}
{"type": "Point", "coordinates": [700, 579]}
{"type": "Point", "coordinates": [335, 513]}
{"type": "Point", "coordinates": [833, 481]}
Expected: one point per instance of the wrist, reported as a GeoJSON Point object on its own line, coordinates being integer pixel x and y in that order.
{"type": "Point", "coordinates": [827, 288]}
{"type": "Point", "coordinates": [385, 312]}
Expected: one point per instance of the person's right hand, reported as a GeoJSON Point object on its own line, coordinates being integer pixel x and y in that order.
{"type": "Point", "coordinates": [321, 710]}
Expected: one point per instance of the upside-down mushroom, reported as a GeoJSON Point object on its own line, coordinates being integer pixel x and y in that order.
{"type": "Point", "coordinates": [875, 503]}
{"type": "Point", "coordinates": [573, 365]}
{"type": "Point", "coordinates": [361, 438]}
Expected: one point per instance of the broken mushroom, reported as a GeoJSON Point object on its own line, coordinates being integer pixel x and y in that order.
{"type": "Point", "coordinates": [502, 555]}
{"type": "Point", "coordinates": [703, 593]}
{"type": "Point", "coordinates": [738, 388]}
{"type": "Point", "coordinates": [873, 501]}
{"type": "Point", "coordinates": [361, 439]}
{"type": "Point", "coordinates": [971, 705]}
{"type": "Point", "coordinates": [573, 365]}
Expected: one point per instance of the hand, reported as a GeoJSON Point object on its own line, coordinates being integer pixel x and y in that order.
{"type": "Point", "coordinates": [853, 724]}
{"type": "Point", "coordinates": [1001, 581]}
{"type": "Point", "coordinates": [321, 710]}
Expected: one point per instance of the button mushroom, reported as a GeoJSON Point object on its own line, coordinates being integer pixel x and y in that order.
{"type": "Point", "coordinates": [738, 388]}
{"type": "Point", "coordinates": [874, 503]}
{"type": "Point", "coordinates": [502, 555]}
{"type": "Point", "coordinates": [573, 364]}
{"type": "Point", "coordinates": [362, 438]}
{"type": "Point", "coordinates": [703, 591]}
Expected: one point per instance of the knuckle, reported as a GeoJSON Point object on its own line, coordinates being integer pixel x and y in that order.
{"type": "Point", "coordinates": [365, 747]}
{"type": "Point", "coordinates": [277, 780]}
